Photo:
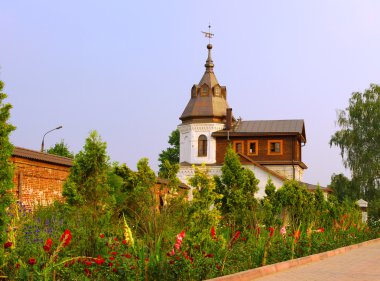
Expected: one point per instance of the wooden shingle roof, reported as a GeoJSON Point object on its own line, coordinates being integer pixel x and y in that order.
{"type": "Point", "coordinates": [41, 156]}
{"type": "Point", "coordinates": [206, 106]}
{"type": "Point", "coordinates": [267, 127]}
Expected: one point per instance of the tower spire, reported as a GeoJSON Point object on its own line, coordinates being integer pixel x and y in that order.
{"type": "Point", "coordinates": [209, 63]}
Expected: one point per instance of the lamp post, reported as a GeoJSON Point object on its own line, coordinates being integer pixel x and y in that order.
{"type": "Point", "coordinates": [43, 139]}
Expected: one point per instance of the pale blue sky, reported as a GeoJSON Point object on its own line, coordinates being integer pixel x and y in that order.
{"type": "Point", "coordinates": [125, 68]}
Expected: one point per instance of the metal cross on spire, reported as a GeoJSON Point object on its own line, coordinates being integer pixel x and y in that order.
{"type": "Point", "coordinates": [208, 34]}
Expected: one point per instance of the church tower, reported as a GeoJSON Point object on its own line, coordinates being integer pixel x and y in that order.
{"type": "Point", "coordinates": [204, 114]}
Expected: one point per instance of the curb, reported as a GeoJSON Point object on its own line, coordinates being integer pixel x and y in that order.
{"type": "Point", "coordinates": [281, 266]}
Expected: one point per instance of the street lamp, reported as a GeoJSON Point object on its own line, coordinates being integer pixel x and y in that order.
{"type": "Point", "coordinates": [43, 139]}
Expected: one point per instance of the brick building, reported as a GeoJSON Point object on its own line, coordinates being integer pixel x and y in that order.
{"type": "Point", "coordinates": [38, 176]}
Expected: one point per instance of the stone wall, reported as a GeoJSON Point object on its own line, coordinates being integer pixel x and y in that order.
{"type": "Point", "coordinates": [37, 182]}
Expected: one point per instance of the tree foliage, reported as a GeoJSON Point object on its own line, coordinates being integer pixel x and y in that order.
{"type": "Point", "coordinates": [203, 212]}
{"type": "Point", "coordinates": [171, 154]}
{"type": "Point", "coordinates": [358, 139]}
{"type": "Point", "coordinates": [61, 149]}
{"type": "Point", "coordinates": [88, 179]}
{"type": "Point", "coordinates": [343, 188]}
{"type": "Point", "coordinates": [238, 187]}
{"type": "Point", "coordinates": [6, 168]}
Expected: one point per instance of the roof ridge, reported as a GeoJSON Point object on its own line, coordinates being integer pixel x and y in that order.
{"type": "Point", "coordinates": [263, 167]}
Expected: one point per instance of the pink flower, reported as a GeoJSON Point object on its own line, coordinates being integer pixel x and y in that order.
{"type": "Point", "coordinates": [283, 231]}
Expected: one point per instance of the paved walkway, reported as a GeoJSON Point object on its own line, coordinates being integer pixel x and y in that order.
{"type": "Point", "coordinates": [358, 264]}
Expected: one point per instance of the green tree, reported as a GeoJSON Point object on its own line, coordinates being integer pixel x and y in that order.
{"type": "Point", "coordinates": [170, 154]}
{"type": "Point", "coordinates": [6, 167]}
{"type": "Point", "coordinates": [238, 187]}
{"type": "Point", "coordinates": [61, 149]}
{"type": "Point", "coordinates": [344, 188]}
{"type": "Point", "coordinates": [358, 139]}
{"type": "Point", "coordinates": [271, 210]}
{"type": "Point", "coordinates": [204, 211]}
{"type": "Point", "coordinates": [88, 179]}
{"type": "Point", "coordinates": [297, 204]}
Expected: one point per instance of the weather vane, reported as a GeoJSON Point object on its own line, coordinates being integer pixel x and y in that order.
{"type": "Point", "coordinates": [208, 34]}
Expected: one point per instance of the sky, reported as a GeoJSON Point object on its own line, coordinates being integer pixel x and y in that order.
{"type": "Point", "coordinates": [126, 68]}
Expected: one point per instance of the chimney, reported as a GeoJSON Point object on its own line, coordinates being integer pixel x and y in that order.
{"type": "Point", "coordinates": [228, 118]}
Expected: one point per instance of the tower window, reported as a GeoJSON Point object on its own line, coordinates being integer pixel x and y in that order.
{"type": "Point", "coordinates": [217, 91]}
{"type": "Point", "coordinates": [275, 147]}
{"type": "Point", "coordinates": [253, 147]}
{"type": "Point", "coordinates": [204, 90]}
{"type": "Point", "coordinates": [202, 146]}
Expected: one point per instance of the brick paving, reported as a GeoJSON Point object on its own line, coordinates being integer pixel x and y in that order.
{"type": "Point", "coordinates": [358, 264]}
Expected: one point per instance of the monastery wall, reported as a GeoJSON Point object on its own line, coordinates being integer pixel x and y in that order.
{"type": "Point", "coordinates": [38, 183]}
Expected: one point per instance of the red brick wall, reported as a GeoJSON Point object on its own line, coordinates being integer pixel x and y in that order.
{"type": "Point", "coordinates": [38, 183]}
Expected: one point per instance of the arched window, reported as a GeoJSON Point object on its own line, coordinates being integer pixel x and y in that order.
{"type": "Point", "coordinates": [202, 146]}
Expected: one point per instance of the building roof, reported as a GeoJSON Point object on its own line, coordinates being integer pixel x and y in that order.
{"type": "Point", "coordinates": [166, 182]}
{"type": "Point", "coordinates": [266, 127]}
{"type": "Point", "coordinates": [313, 187]}
{"type": "Point", "coordinates": [269, 171]}
{"type": "Point", "coordinates": [206, 106]}
{"type": "Point", "coordinates": [41, 156]}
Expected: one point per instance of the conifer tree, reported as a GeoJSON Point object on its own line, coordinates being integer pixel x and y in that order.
{"type": "Point", "coordinates": [238, 187]}
{"type": "Point", "coordinates": [61, 149]}
{"type": "Point", "coordinates": [203, 212]}
{"type": "Point", "coordinates": [6, 168]}
{"type": "Point", "coordinates": [88, 180]}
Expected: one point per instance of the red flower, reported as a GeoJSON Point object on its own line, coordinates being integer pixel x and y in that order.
{"type": "Point", "coordinates": [110, 264]}
{"type": "Point", "coordinates": [7, 244]}
{"type": "Point", "coordinates": [171, 261]}
{"type": "Point", "coordinates": [99, 260]}
{"type": "Point", "coordinates": [258, 231]}
{"type": "Point", "coordinates": [88, 263]}
{"type": "Point", "coordinates": [213, 233]}
{"type": "Point", "coordinates": [236, 236]}
{"type": "Point", "coordinates": [209, 255]}
{"type": "Point", "coordinates": [112, 258]}
{"type": "Point", "coordinates": [271, 231]}
{"type": "Point", "coordinates": [114, 269]}
{"type": "Point", "coordinates": [48, 245]}
{"type": "Point", "coordinates": [101, 235]}
{"type": "Point", "coordinates": [124, 241]}
{"type": "Point", "coordinates": [88, 272]}
{"type": "Point", "coordinates": [297, 235]}
{"type": "Point", "coordinates": [128, 256]}
{"type": "Point", "coordinates": [32, 261]}
{"type": "Point", "coordinates": [66, 237]}
{"type": "Point", "coordinates": [114, 253]}
{"type": "Point", "coordinates": [321, 230]}
{"type": "Point", "coordinates": [115, 239]}
{"type": "Point", "coordinates": [17, 265]}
